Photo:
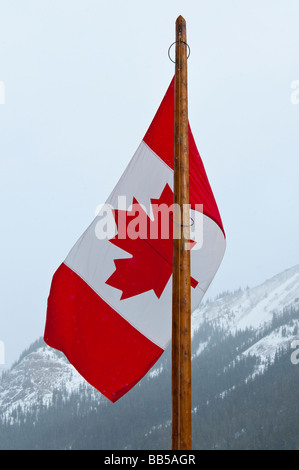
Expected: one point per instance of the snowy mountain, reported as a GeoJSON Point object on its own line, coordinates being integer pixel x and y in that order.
{"type": "Point", "coordinates": [251, 307]}
{"type": "Point", "coordinates": [33, 379]}
{"type": "Point", "coordinates": [234, 340]}
{"type": "Point", "coordinates": [255, 309]}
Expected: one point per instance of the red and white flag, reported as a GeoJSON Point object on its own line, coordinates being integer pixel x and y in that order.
{"type": "Point", "coordinates": [110, 303]}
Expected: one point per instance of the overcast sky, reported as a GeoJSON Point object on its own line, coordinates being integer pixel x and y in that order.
{"type": "Point", "coordinates": [80, 82]}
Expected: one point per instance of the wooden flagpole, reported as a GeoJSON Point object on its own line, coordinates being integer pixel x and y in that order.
{"type": "Point", "coordinates": [181, 310]}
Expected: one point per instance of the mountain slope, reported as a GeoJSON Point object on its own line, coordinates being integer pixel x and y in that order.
{"type": "Point", "coordinates": [251, 307]}
{"type": "Point", "coordinates": [35, 377]}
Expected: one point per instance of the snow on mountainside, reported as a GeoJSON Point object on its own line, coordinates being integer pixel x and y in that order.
{"type": "Point", "coordinates": [266, 348]}
{"type": "Point", "coordinates": [33, 380]}
{"type": "Point", "coordinates": [41, 370]}
{"type": "Point", "coordinates": [251, 307]}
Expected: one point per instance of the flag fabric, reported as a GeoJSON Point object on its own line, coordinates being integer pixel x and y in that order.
{"type": "Point", "coordinates": [110, 303]}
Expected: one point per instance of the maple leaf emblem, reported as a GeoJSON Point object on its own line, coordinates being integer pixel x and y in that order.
{"type": "Point", "coordinates": [150, 242]}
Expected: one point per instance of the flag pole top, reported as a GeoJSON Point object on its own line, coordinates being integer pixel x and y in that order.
{"type": "Point", "coordinates": [180, 31]}
{"type": "Point", "coordinates": [180, 19]}
{"type": "Point", "coordinates": [180, 26]}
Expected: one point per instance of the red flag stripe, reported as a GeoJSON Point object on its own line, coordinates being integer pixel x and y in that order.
{"type": "Point", "coordinates": [159, 138]}
{"type": "Point", "coordinates": [105, 349]}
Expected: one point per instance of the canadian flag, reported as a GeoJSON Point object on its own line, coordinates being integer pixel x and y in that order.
{"type": "Point", "coordinates": [110, 302]}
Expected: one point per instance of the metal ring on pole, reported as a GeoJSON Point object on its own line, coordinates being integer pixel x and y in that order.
{"type": "Point", "coordinates": [182, 225]}
{"type": "Point", "coordinates": [189, 50]}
